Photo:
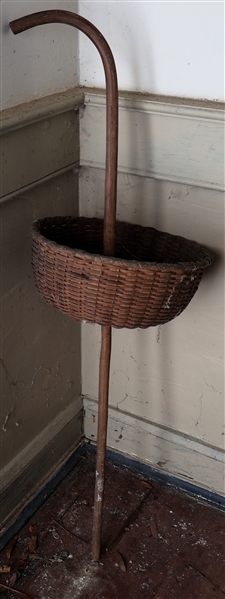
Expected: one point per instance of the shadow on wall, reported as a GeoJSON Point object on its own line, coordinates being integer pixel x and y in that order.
{"type": "Point", "coordinates": [134, 134]}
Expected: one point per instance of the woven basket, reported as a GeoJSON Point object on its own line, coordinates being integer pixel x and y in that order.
{"type": "Point", "coordinates": [151, 279]}
{"type": "Point", "coordinates": [111, 273]}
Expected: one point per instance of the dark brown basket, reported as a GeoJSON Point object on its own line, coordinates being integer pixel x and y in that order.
{"type": "Point", "coordinates": [111, 273]}
{"type": "Point", "coordinates": [151, 279]}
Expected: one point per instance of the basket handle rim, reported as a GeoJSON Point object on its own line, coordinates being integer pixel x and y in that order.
{"type": "Point", "coordinates": [79, 22]}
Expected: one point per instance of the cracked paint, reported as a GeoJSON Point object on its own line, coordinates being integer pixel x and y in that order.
{"type": "Point", "coordinates": [200, 412]}
{"type": "Point", "coordinates": [122, 400]}
{"type": "Point", "coordinates": [10, 413]}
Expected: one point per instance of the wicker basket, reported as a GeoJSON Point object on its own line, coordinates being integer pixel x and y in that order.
{"type": "Point", "coordinates": [111, 273]}
{"type": "Point", "coordinates": [151, 279]}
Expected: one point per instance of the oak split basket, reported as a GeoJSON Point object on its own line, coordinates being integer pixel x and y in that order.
{"type": "Point", "coordinates": [150, 281]}
{"type": "Point", "coordinates": [112, 273]}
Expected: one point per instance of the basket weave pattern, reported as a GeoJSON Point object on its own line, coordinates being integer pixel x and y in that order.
{"type": "Point", "coordinates": [151, 279]}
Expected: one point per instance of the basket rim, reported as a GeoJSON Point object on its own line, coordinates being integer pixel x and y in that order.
{"type": "Point", "coordinates": [132, 264]}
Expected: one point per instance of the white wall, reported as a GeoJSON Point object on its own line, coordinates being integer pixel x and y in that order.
{"type": "Point", "coordinates": [170, 48]}
{"type": "Point", "coordinates": [38, 62]}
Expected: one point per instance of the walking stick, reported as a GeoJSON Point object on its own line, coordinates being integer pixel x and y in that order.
{"type": "Point", "coordinates": [61, 16]}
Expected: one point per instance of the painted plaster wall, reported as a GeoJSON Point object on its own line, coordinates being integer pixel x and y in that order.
{"type": "Point", "coordinates": [41, 410]}
{"type": "Point", "coordinates": [40, 362]}
{"type": "Point", "coordinates": [171, 374]}
{"type": "Point", "coordinates": [167, 383]}
{"type": "Point", "coordinates": [40, 378]}
{"type": "Point", "coordinates": [170, 48]}
{"type": "Point", "coordinates": [39, 62]}
{"type": "Point", "coordinates": [166, 389]}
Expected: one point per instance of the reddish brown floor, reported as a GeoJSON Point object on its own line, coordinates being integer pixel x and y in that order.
{"type": "Point", "coordinates": [157, 543]}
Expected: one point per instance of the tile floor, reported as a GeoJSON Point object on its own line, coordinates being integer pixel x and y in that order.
{"type": "Point", "coordinates": [156, 543]}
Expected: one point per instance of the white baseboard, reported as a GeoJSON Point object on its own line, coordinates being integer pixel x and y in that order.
{"type": "Point", "coordinates": [24, 477]}
{"type": "Point", "coordinates": [162, 448]}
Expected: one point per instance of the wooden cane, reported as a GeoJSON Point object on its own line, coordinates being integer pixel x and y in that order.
{"type": "Point", "coordinates": [101, 440]}
{"type": "Point", "coordinates": [61, 16]}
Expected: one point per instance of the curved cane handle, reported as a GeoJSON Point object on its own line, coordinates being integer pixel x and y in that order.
{"type": "Point", "coordinates": [62, 16]}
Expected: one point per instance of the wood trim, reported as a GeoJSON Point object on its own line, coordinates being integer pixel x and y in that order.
{"type": "Point", "coordinates": [161, 448]}
{"type": "Point", "coordinates": [38, 140]}
{"type": "Point", "coordinates": [27, 474]}
{"type": "Point", "coordinates": [25, 114]}
{"type": "Point", "coordinates": [166, 139]}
